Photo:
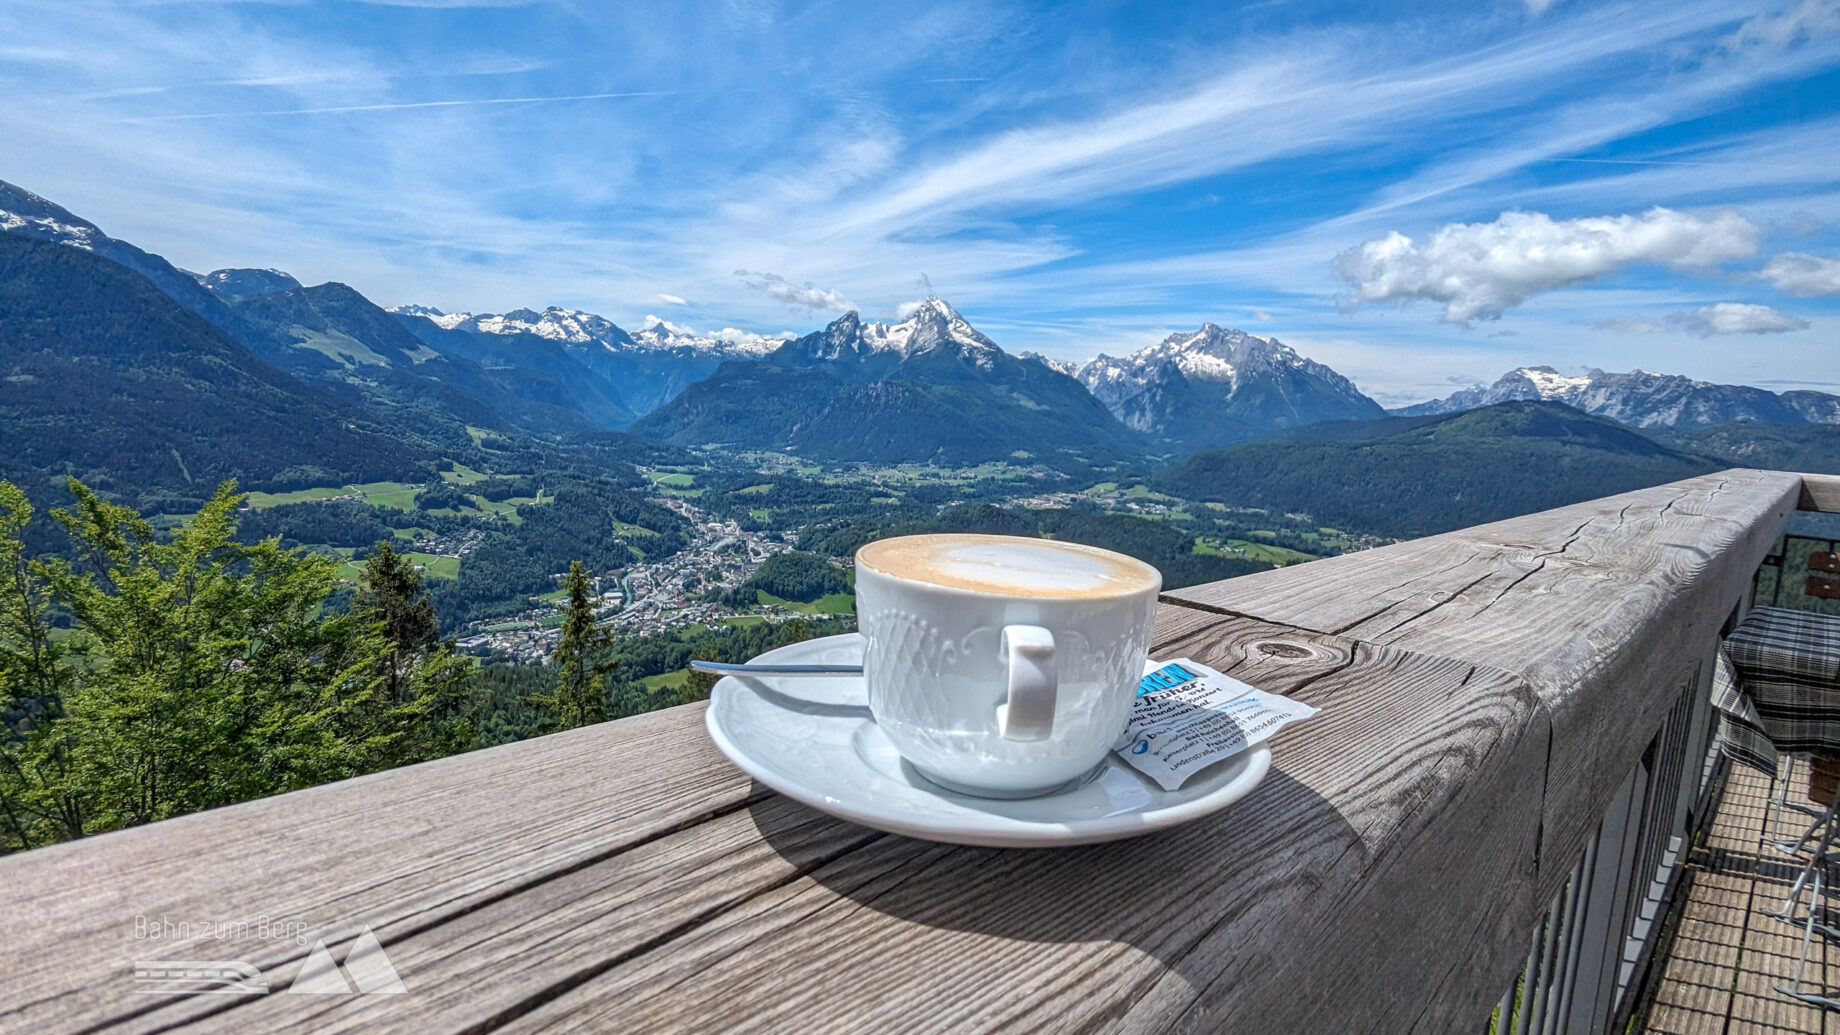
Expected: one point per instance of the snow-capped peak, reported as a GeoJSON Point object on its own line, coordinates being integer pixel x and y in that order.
{"type": "Point", "coordinates": [1552, 385]}
{"type": "Point", "coordinates": [582, 329]}
{"type": "Point", "coordinates": [1641, 398]}
{"type": "Point", "coordinates": [931, 323]}
{"type": "Point", "coordinates": [1065, 366]}
{"type": "Point", "coordinates": [1212, 354]}
{"type": "Point", "coordinates": [659, 333]}
{"type": "Point", "coordinates": [1225, 380]}
{"type": "Point", "coordinates": [445, 321]}
{"type": "Point", "coordinates": [22, 211]}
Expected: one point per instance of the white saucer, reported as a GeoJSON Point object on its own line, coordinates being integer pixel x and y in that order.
{"type": "Point", "coordinates": [811, 739]}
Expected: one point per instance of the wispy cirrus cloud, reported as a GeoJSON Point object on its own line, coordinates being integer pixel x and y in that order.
{"type": "Point", "coordinates": [347, 109]}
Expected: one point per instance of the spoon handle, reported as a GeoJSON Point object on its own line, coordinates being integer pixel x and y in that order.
{"type": "Point", "coordinates": [723, 668]}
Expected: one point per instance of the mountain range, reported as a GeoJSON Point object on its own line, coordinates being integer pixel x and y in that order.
{"type": "Point", "coordinates": [1212, 387]}
{"type": "Point", "coordinates": [1644, 400]}
{"type": "Point", "coordinates": [928, 388]}
{"type": "Point", "coordinates": [637, 371]}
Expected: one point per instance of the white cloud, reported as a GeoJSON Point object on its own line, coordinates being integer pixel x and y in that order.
{"type": "Point", "coordinates": [1738, 318]}
{"type": "Point", "coordinates": [736, 336]}
{"type": "Point", "coordinates": [1262, 316]}
{"type": "Point", "coordinates": [1480, 270]}
{"type": "Point", "coordinates": [674, 299]}
{"type": "Point", "coordinates": [1709, 320]}
{"type": "Point", "coordinates": [1803, 275]}
{"type": "Point", "coordinates": [1778, 30]}
{"type": "Point", "coordinates": [806, 295]}
{"type": "Point", "coordinates": [907, 309]}
{"type": "Point", "coordinates": [652, 321]}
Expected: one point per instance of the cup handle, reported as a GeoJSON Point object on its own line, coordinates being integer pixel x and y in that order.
{"type": "Point", "coordinates": [1033, 683]}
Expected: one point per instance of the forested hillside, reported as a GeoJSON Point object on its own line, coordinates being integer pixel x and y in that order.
{"type": "Point", "coordinates": [1813, 448]}
{"type": "Point", "coordinates": [104, 376]}
{"type": "Point", "coordinates": [1414, 476]}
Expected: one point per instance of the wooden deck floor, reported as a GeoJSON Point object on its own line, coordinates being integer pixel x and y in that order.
{"type": "Point", "coordinates": [1727, 951]}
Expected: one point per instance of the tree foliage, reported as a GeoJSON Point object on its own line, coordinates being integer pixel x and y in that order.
{"type": "Point", "coordinates": [792, 576]}
{"type": "Point", "coordinates": [582, 664]}
{"type": "Point", "coordinates": [199, 670]}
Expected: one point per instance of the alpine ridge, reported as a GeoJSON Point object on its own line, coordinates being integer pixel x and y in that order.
{"type": "Point", "coordinates": [1211, 387]}
{"type": "Point", "coordinates": [928, 388]}
{"type": "Point", "coordinates": [635, 371]}
{"type": "Point", "coordinates": [1643, 399]}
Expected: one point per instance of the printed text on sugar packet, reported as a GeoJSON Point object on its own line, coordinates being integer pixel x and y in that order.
{"type": "Point", "coordinates": [1188, 716]}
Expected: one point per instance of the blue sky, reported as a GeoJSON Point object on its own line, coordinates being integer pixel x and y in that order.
{"type": "Point", "coordinates": [1417, 194]}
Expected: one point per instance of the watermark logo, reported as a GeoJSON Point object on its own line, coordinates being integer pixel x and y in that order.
{"type": "Point", "coordinates": [194, 977]}
{"type": "Point", "coordinates": [366, 970]}
{"type": "Point", "coordinates": [366, 967]}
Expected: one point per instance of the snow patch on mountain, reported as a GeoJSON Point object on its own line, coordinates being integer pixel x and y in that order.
{"type": "Point", "coordinates": [45, 227]}
{"type": "Point", "coordinates": [245, 283]}
{"type": "Point", "coordinates": [659, 333]}
{"type": "Point", "coordinates": [582, 329]}
{"type": "Point", "coordinates": [1206, 387]}
{"type": "Point", "coordinates": [932, 323]}
{"type": "Point", "coordinates": [1065, 366]}
{"type": "Point", "coordinates": [1642, 399]}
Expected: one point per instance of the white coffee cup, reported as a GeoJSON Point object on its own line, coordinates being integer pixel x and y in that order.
{"type": "Point", "coordinates": [998, 665]}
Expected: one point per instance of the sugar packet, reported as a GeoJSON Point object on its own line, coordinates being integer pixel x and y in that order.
{"type": "Point", "coordinates": [1188, 716]}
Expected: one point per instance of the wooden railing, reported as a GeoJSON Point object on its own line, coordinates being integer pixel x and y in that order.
{"type": "Point", "coordinates": [1486, 696]}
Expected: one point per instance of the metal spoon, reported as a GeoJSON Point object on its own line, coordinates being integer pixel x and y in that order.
{"type": "Point", "coordinates": [723, 668]}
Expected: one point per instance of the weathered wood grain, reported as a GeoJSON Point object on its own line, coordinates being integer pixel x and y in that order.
{"type": "Point", "coordinates": [1348, 874]}
{"type": "Point", "coordinates": [1606, 608]}
{"type": "Point", "coordinates": [476, 965]}
{"type": "Point", "coordinates": [1821, 492]}
{"type": "Point", "coordinates": [397, 850]}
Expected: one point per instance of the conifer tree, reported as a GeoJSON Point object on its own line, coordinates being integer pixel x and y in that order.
{"type": "Point", "coordinates": [580, 696]}
{"type": "Point", "coordinates": [425, 707]}
{"type": "Point", "coordinates": [390, 592]}
{"type": "Point", "coordinates": [200, 671]}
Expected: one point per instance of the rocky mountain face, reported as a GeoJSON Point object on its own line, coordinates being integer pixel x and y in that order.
{"type": "Point", "coordinates": [927, 388]}
{"type": "Point", "coordinates": [242, 283]}
{"type": "Point", "coordinates": [1214, 386]}
{"type": "Point", "coordinates": [638, 370]}
{"type": "Point", "coordinates": [333, 334]}
{"type": "Point", "coordinates": [1065, 366]}
{"type": "Point", "coordinates": [1644, 400]}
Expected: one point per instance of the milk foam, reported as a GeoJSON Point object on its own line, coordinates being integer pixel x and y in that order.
{"type": "Point", "coordinates": [1009, 565]}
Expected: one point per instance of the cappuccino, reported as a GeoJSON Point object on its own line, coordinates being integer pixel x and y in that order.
{"type": "Point", "coordinates": [1009, 566]}
{"type": "Point", "coordinates": [1000, 666]}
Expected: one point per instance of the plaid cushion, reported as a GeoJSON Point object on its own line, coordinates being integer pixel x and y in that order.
{"type": "Point", "coordinates": [1799, 715]}
{"type": "Point", "coordinates": [1775, 642]}
{"type": "Point", "coordinates": [1742, 736]}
